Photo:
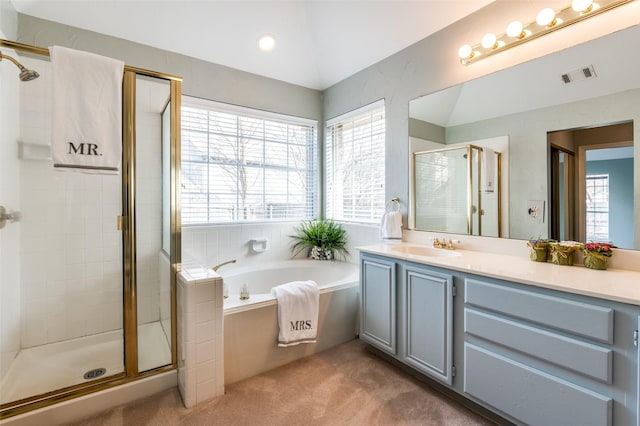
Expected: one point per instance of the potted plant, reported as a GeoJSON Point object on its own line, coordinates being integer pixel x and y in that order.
{"type": "Point", "coordinates": [596, 254]}
{"type": "Point", "coordinates": [562, 252]}
{"type": "Point", "coordinates": [539, 249]}
{"type": "Point", "coordinates": [322, 239]}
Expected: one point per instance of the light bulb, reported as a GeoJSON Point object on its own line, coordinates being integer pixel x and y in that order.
{"type": "Point", "coordinates": [465, 52]}
{"type": "Point", "coordinates": [514, 30]}
{"type": "Point", "coordinates": [582, 6]}
{"type": "Point", "coordinates": [489, 41]}
{"type": "Point", "coordinates": [546, 17]}
{"type": "Point", "coordinates": [266, 43]}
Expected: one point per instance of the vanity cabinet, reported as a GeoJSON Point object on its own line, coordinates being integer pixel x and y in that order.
{"type": "Point", "coordinates": [426, 307]}
{"type": "Point", "coordinates": [538, 358]}
{"type": "Point", "coordinates": [411, 320]}
{"type": "Point", "coordinates": [529, 354]}
{"type": "Point", "coordinates": [378, 303]}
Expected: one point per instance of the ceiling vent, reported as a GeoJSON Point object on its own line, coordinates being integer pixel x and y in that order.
{"type": "Point", "coordinates": [579, 74]}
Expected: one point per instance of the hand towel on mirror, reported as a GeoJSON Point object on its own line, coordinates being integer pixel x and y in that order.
{"type": "Point", "coordinates": [489, 157]}
{"type": "Point", "coordinates": [298, 307]}
{"type": "Point", "coordinates": [86, 134]}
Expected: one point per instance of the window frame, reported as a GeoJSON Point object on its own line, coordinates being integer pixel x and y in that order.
{"type": "Point", "coordinates": [329, 127]}
{"type": "Point", "coordinates": [593, 181]}
{"type": "Point", "coordinates": [258, 114]}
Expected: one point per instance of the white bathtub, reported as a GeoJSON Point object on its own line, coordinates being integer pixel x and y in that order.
{"type": "Point", "coordinates": [330, 276]}
{"type": "Point", "coordinates": [251, 326]}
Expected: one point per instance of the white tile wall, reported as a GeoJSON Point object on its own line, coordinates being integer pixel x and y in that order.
{"type": "Point", "coordinates": [10, 199]}
{"type": "Point", "coordinates": [70, 262]}
{"type": "Point", "coordinates": [211, 245]}
{"type": "Point", "coordinates": [200, 335]}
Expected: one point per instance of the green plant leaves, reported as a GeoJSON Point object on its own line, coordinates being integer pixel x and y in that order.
{"type": "Point", "coordinates": [324, 233]}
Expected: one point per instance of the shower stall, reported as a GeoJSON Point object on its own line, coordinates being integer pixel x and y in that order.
{"type": "Point", "coordinates": [456, 190]}
{"type": "Point", "coordinates": [87, 261]}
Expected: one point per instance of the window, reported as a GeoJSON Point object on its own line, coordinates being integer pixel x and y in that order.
{"type": "Point", "coordinates": [240, 164]}
{"type": "Point", "coordinates": [354, 153]}
{"type": "Point", "coordinates": [597, 208]}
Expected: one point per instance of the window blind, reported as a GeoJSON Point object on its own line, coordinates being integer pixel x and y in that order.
{"type": "Point", "coordinates": [240, 165]}
{"type": "Point", "coordinates": [597, 211]}
{"type": "Point", "coordinates": [355, 165]}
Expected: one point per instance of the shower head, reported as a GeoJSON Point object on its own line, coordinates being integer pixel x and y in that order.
{"type": "Point", "coordinates": [25, 74]}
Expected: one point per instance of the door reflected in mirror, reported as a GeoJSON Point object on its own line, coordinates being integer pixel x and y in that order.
{"type": "Point", "coordinates": [592, 185]}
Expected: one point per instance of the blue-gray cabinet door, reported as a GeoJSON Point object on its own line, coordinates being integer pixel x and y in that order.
{"type": "Point", "coordinates": [378, 303]}
{"type": "Point", "coordinates": [427, 314]}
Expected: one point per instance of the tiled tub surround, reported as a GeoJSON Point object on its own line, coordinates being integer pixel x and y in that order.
{"type": "Point", "coordinates": [200, 335]}
{"type": "Point", "coordinates": [251, 326]}
{"type": "Point", "coordinates": [213, 244]}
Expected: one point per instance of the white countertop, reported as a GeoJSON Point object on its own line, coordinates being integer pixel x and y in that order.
{"type": "Point", "coordinates": [613, 284]}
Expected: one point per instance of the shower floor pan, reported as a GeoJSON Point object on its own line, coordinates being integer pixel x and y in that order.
{"type": "Point", "coordinates": [58, 365]}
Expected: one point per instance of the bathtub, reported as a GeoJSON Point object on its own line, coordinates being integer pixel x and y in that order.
{"type": "Point", "coordinates": [251, 326]}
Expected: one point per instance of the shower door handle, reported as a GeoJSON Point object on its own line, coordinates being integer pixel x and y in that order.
{"type": "Point", "coordinates": [11, 217]}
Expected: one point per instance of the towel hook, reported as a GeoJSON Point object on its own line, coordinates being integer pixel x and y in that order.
{"type": "Point", "coordinates": [395, 201]}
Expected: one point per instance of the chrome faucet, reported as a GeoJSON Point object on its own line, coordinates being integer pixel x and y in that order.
{"type": "Point", "coordinates": [220, 265]}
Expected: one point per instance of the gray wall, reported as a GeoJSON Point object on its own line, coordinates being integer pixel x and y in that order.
{"type": "Point", "coordinates": [201, 79]}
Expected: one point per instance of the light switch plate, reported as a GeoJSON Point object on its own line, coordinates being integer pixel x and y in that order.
{"type": "Point", "coordinates": [535, 211]}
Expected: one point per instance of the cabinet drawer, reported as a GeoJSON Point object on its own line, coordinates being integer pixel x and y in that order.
{"type": "Point", "coordinates": [529, 395]}
{"type": "Point", "coordinates": [584, 358]}
{"type": "Point", "coordinates": [582, 319]}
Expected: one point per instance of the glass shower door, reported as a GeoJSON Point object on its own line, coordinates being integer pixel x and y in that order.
{"type": "Point", "coordinates": [152, 209]}
{"type": "Point", "coordinates": [441, 192]}
{"type": "Point", "coordinates": [65, 324]}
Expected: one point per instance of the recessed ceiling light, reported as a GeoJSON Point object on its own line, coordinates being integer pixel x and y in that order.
{"type": "Point", "coordinates": [266, 43]}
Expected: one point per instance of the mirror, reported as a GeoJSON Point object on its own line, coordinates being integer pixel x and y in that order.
{"type": "Point", "coordinates": [526, 104]}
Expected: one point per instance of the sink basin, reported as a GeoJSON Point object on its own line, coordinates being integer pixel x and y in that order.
{"type": "Point", "coordinates": [425, 251]}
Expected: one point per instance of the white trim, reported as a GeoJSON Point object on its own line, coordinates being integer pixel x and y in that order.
{"type": "Point", "coordinates": [347, 115]}
{"type": "Point", "coordinates": [191, 101]}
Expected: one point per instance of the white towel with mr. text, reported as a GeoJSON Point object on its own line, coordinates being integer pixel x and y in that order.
{"type": "Point", "coordinates": [298, 307]}
{"type": "Point", "coordinates": [86, 134]}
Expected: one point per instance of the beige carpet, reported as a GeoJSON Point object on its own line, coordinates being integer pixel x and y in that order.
{"type": "Point", "coordinates": [346, 385]}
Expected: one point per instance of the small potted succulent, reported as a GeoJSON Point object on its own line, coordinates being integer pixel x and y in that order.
{"type": "Point", "coordinates": [322, 239]}
{"type": "Point", "coordinates": [596, 254]}
{"type": "Point", "coordinates": [562, 252]}
{"type": "Point", "coordinates": [539, 248]}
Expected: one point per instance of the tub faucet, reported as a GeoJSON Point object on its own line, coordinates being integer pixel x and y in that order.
{"type": "Point", "coordinates": [220, 265]}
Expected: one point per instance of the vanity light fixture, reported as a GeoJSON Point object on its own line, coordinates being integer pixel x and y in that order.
{"type": "Point", "coordinates": [547, 20]}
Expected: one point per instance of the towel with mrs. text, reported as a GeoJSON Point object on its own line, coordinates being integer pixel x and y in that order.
{"type": "Point", "coordinates": [298, 307]}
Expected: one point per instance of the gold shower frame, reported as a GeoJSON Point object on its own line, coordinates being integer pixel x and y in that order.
{"type": "Point", "coordinates": [469, 195]}
{"type": "Point", "coordinates": [127, 223]}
